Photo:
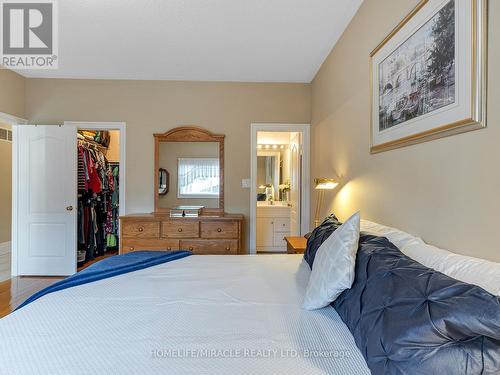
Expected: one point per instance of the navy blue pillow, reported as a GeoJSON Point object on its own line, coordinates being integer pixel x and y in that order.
{"type": "Point", "coordinates": [409, 319]}
{"type": "Point", "coordinates": [318, 235]}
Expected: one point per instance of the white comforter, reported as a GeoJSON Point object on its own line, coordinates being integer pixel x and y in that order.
{"type": "Point", "coordinates": [197, 315]}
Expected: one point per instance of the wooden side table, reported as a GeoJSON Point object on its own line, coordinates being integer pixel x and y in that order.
{"type": "Point", "coordinates": [295, 245]}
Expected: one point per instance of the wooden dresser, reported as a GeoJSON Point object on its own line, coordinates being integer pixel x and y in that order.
{"type": "Point", "coordinates": [202, 235]}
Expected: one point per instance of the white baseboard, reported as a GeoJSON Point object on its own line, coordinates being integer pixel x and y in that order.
{"type": "Point", "coordinates": [5, 248]}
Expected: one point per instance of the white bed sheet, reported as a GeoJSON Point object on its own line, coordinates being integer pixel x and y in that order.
{"type": "Point", "coordinates": [196, 315]}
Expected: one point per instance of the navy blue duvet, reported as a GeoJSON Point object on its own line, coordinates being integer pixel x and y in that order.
{"type": "Point", "coordinates": [110, 267]}
{"type": "Point", "coordinates": [409, 319]}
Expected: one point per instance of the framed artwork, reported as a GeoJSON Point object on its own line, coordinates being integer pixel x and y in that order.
{"type": "Point", "coordinates": [163, 181]}
{"type": "Point", "coordinates": [428, 76]}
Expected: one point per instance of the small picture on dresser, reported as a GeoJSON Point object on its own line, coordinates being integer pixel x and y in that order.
{"type": "Point", "coordinates": [423, 85]}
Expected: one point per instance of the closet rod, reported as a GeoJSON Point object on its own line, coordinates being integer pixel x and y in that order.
{"type": "Point", "coordinates": [92, 144]}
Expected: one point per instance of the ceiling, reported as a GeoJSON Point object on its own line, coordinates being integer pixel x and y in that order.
{"type": "Point", "coordinates": [197, 40]}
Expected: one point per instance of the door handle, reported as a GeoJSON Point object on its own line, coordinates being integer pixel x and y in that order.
{"type": "Point", "coordinates": [69, 208]}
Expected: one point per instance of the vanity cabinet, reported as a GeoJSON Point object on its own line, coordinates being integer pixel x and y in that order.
{"type": "Point", "coordinates": [273, 225]}
{"type": "Point", "coordinates": [202, 235]}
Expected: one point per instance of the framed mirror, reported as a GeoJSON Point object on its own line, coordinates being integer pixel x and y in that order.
{"type": "Point", "coordinates": [163, 181]}
{"type": "Point", "coordinates": [194, 159]}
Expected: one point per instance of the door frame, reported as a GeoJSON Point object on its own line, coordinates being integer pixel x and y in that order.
{"type": "Point", "coordinates": [121, 126]}
{"type": "Point", "coordinates": [14, 122]}
{"type": "Point", "coordinates": [305, 213]}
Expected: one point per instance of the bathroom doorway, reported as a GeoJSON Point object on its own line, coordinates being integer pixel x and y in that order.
{"type": "Point", "coordinates": [279, 185]}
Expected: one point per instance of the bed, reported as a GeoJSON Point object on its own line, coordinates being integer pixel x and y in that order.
{"type": "Point", "coordinates": [220, 314]}
{"type": "Point", "coordinates": [199, 314]}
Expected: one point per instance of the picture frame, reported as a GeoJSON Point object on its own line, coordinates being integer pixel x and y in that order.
{"type": "Point", "coordinates": [428, 77]}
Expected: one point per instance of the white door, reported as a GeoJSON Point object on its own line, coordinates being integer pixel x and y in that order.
{"type": "Point", "coordinates": [295, 183]}
{"type": "Point", "coordinates": [47, 202]}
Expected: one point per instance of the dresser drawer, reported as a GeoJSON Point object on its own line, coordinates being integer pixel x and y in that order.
{"type": "Point", "coordinates": [130, 245]}
{"type": "Point", "coordinates": [282, 225]}
{"type": "Point", "coordinates": [211, 247]}
{"type": "Point", "coordinates": [141, 229]}
{"type": "Point", "coordinates": [180, 229]}
{"type": "Point", "coordinates": [219, 229]}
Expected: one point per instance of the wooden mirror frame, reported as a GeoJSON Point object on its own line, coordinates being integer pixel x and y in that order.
{"type": "Point", "coordinates": [190, 134]}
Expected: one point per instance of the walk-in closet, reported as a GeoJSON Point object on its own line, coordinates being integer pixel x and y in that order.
{"type": "Point", "coordinates": [98, 194]}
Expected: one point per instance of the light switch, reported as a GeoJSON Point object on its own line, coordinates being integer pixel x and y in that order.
{"type": "Point", "coordinates": [245, 183]}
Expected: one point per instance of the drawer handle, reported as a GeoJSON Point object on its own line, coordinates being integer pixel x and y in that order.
{"type": "Point", "coordinates": [191, 248]}
{"type": "Point", "coordinates": [169, 248]}
{"type": "Point", "coordinates": [140, 229]}
{"type": "Point", "coordinates": [179, 230]}
{"type": "Point", "coordinates": [131, 248]}
{"type": "Point", "coordinates": [219, 230]}
{"type": "Point", "coordinates": [228, 249]}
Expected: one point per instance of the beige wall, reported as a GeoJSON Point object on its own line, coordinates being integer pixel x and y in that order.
{"type": "Point", "coordinates": [155, 106]}
{"type": "Point", "coordinates": [169, 153]}
{"type": "Point", "coordinates": [448, 190]}
{"type": "Point", "coordinates": [113, 152]}
{"type": "Point", "coordinates": [12, 93]}
{"type": "Point", "coordinates": [5, 188]}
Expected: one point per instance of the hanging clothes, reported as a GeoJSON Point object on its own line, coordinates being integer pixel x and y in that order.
{"type": "Point", "coordinates": [97, 202]}
{"type": "Point", "coordinates": [112, 224]}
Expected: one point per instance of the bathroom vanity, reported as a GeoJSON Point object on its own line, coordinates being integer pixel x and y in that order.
{"type": "Point", "coordinates": [273, 225]}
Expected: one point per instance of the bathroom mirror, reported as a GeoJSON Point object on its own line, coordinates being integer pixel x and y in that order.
{"type": "Point", "coordinates": [269, 175]}
{"type": "Point", "coordinates": [194, 159]}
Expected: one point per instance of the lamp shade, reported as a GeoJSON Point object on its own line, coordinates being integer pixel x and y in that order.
{"type": "Point", "coordinates": [325, 183]}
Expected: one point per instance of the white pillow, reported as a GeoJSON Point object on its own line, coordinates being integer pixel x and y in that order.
{"type": "Point", "coordinates": [333, 267]}
{"type": "Point", "coordinates": [397, 237]}
{"type": "Point", "coordinates": [470, 270]}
